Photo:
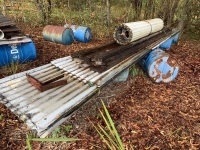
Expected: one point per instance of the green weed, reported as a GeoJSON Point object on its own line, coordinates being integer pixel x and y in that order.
{"type": "Point", "coordinates": [29, 138]}
{"type": "Point", "coordinates": [55, 133]}
{"type": "Point", "coordinates": [14, 67]}
{"type": "Point", "coordinates": [93, 16]}
{"type": "Point", "coordinates": [67, 128]}
{"type": "Point", "coordinates": [1, 117]}
{"type": "Point", "coordinates": [10, 69]}
{"type": "Point", "coordinates": [136, 70]}
{"type": "Point", "coordinates": [62, 131]}
{"type": "Point", "coordinates": [109, 134]}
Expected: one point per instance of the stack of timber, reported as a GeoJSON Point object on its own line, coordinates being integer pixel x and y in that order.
{"type": "Point", "coordinates": [9, 30]}
{"type": "Point", "coordinates": [106, 56]}
{"type": "Point", "coordinates": [15, 47]}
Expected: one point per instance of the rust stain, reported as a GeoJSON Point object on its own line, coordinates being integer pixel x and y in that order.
{"type": "Point", "coordinates": [49, 29]}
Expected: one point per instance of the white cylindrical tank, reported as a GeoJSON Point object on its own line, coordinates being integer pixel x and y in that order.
{"type": "Point", "coordinates": [129, 32]}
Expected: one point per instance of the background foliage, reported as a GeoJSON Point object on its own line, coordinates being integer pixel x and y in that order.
{"type": "Point", "coordinates": [103, 15]}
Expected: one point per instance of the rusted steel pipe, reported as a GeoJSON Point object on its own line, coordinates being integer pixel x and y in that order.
{"type": "Point", "coordinates": [58, 34]}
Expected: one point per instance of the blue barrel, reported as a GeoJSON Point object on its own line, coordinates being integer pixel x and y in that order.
{"type": "Point", "coordinates": [159, 66]}
{"type": "Point", "coordinates": [81, 33]}
{"type": "Point", "coordinates": [167, 44]}
{"type": "Point", "coordinates": [176, 37]}
{"type": "Point", "coordinates": [58, 34]}
{"type": "Point", "coordinates": [14, 53]}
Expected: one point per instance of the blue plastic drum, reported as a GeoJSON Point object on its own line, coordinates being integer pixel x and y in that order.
{"type": "Point", "coordinates": [17, 53]}
{"type": "Point", "coordinates": [167, 44]}
{"type": "Point", "coordinates": [81, 33]}
{"type": "Point", "coordinates": [176, 37]}
{"type": "Point", "coordinates": [159, 66]}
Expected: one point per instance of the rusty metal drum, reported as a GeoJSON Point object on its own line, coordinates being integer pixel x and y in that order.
{"type": "Point", "coordinates": [58, 34]}
{"type": "Point", "coordinates": [160, 67]}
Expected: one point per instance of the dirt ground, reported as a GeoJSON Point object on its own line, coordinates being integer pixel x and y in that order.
{"type": "Point", "coordinates": [147, 115]}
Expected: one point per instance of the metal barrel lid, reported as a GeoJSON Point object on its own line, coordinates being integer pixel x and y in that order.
{"type": "Point", "coordinates": [81, 33]}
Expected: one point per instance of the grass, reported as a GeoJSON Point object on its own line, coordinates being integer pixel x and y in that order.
{"type": "Point", "coordinates": [61, 131]}
{"type": "Point", "coordinates": [30, 138]}
{"type": "Point", "coordinates": [11, 69]}
{"type": "Point", "coordinates": [192, 35]}
{"type": "Point", "coordinates": [136, 70]}
{"type": "Point", "coordinates": [1, 117]}
{"type": "Point", "coordinates": [109, 134]}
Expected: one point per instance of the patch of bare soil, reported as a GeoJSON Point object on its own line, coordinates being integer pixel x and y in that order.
{"type": "Point", "coordinates": [146, 115]}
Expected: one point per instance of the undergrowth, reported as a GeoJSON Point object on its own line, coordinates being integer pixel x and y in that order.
{"type": "Point", "coordinates": [29, 139]}
{"type": "Point", "coordinates": [11, 69]}
{"type": "Point", "coordinates": [136, 70]}
{"type": "Point", "coordinates": [94, 17]}
{"type": "Point", "coordinates": [108, 134]}
{"type": "Point", "coordinates": [1, 117]}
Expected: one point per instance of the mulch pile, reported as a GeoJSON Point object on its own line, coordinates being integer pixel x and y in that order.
{"type": "Point", "coordinates": [146, 115]}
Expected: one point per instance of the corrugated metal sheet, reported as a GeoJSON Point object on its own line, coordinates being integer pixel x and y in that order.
{"type": "Point", "coordinates": [43, 111]}
{"type": "Point", "coordinates": [129, 32]}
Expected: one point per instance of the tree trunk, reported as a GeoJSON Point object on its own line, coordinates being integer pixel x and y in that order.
{"type": "Point", "coordinates": [49, 7]}
{"type": "Point", "coordinates": [137, 6]}
{"type": "Point", "coordinates": [172, 12]}
{"type": "Point", "coordinates": [153, 9]}
{"type": "Point", "coordinates": [149, 9]}
{"type": "Point", "coordinates": [186, 16]}
{"type": "Point", "coordinates": [108, 12]}
{"type": "Point", "coordinates": [146, 9]}
{"type": "Point", "coordinates": [44, 8]}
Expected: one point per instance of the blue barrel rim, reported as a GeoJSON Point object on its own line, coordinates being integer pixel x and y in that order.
{"type": "Point", "coordinates": [81, 33]}
{"type": "Point", "coordinates": [71, 36]}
